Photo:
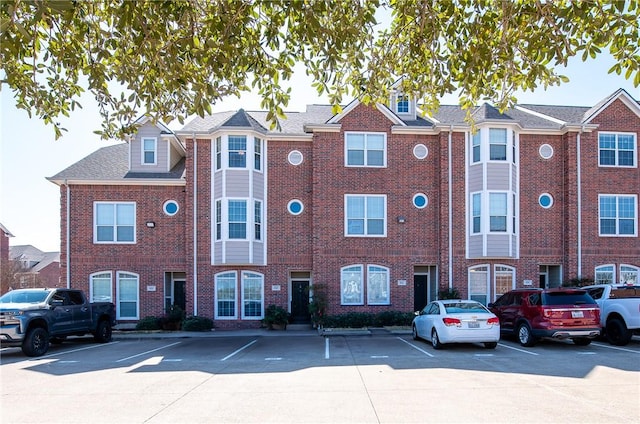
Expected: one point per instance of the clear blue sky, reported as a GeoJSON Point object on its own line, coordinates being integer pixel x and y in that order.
{"type": "Point", "coordinates": [30, 205]}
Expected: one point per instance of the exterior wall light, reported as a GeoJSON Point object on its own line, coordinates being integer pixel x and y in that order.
{"type": "Point", "coordinates": [151, 224]}
{"type": "Point", "coordinates": [401, 219]}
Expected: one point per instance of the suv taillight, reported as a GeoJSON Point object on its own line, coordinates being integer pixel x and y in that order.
{"type": "Point", "coordinates": [493, 321]}
{"type": "Point", "coordinates": [451, 321]}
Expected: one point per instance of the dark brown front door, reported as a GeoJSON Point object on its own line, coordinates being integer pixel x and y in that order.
{"type": "Point", "coordinates": [420, 291]}
{"type": "Point", "coordinates": [300, 302]}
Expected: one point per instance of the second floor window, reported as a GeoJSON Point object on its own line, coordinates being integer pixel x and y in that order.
{"type": "Point", "coordinates": [237, 151]}
{"type": "Point", "coordinates": [475, 140]}
{"type": "Point", "coordinates": [618, 215]}
{"type": "Point", "coordinates": [149, 151]}
{"type": "Point", "coordinates": [365, 149]}
{"type": "Point", "coordinates": [617, 149]}
{"type": "Point", "coordinates": [497, 144]}
{"type": "Point", "coordinates": [114, 222]}
{"type": "Point", "coordinates": [366, 215]}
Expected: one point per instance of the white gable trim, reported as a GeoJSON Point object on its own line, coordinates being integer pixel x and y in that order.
{"type": "Point", "coordinates": [624, 97]}
{"type": "Point", "coordinates": [540, 115]}
{"type": "Point", "coordinates": [382, 108]}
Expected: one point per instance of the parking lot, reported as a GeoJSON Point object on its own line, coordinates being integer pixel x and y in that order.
{"type": "Point", "coordinates": [301, 377]}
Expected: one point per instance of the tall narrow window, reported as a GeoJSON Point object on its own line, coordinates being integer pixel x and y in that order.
{"type": "Point", "coordinates": [252, 295]}
{"type": "Point", "coordinates": [114, 222]}
{"type": "Point", "coordinates": [218, 219]}
{"type": "Point", "coordinates": [498, 212]}
{"type": "Point", "coordinates": [479, 284]}
{"type": "Point", "coordinates": [351, 289]}
{"type": "Point", "coordinates": [497, 144]}
{"type": "Point", "coordinates": [477, 212]}
{"type": "Point", "coordinates": [237, 219]}
{"type": "Point", "coordinates": [257, 152]}
{"type": "Point", "coordinates": [257, 220]}
{"type": "Point", "coordinates": [475, 143]}
{"type": "Point", "coordinates": [218, 153]}
{"type": "Point", "coordinates": [128, 296]}
{"type": "Point", "coordinates": [225, 295]}
{"type": "Point", "coordinates": [149, 146]}
{"type": "Point", "coordinates": [237, 151]}
{"type": "Point", "coordinates": [378, 285]}
{"type": "Point", "coordinates": [505, 279]}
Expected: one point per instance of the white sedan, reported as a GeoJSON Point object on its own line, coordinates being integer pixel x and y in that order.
{"type": "Point", "coordinates": [456, 321]}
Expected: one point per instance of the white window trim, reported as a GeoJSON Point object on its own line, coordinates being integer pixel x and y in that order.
{"type": "Point", "coordinates": [365, 134]}
{"type": "Point", "coordinates": [599, 267]}
{"type": "Point", "coordinates": [95, 223]}
{"type": "Point", "coordinates": [617, 218]}
{"type": "Point", "coordinates": [143, 151]}
{"type": "Point", "coordinates": [343, 272]}
{"type": "Point", "coordinates": [387, 282]}
{"type": "Point", "coordinates": [235, 295]}
{"type": "Point", "coordinates": [511, 144]}
{"type": "Point", "coordinates": [635, 149]}
{"type": "Point", "coordinates": [242, 298]}
{"type": "Point", "coordinates": [95, 274]}
{"type": "Point", "coordinates": [117, 299]}
{"type": "Point", "coordinates": [248, 229]}
{"type": "Point", "coordinates": [487, 270]}
{"type": "Point", "coordinates": [249, 153]}
{"type": "Point", "coordinates": [634, 269]}
{"type": "Point", "coordinates": [346, 217]}
{"type": "Point", "coordinates": [495, 273]}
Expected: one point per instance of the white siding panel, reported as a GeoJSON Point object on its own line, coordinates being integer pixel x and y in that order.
{"type": "Point", "coordinates": [498, 245]}
{"type": "Point", "coordinates": [258, 185]}
{"type": "Point", "coordinates": [475, 246]}
{"type": "Point", "coordinates": [498, 176]}
{"type": "Point", "coordinates": [475, 178]}
{"type": "Point", "coordinates": [514, 178]}
{"type": "Point", "coordinates": [258, 254]}
{"type": "Point", "coordinates": [237, 184]}
{"type": "Point", "coordinates": [237, 252]}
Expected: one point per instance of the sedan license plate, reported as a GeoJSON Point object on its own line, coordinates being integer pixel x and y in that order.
{"type": "Point", "coordinates": [474, 324]}
{"type": "Point", "coordinates": [577, 314]}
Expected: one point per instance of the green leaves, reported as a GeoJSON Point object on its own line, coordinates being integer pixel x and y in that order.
{"type": "Point", "coordinates": [175, 58]}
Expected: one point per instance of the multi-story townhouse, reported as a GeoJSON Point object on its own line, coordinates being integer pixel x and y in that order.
{"type": "Point", "coordinates": [379, 206]}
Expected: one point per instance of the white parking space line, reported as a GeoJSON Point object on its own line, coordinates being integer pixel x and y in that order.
{"type": "Point", "coordinates": [273, 359]}
{"type": "Point", "coordinates": [77, 350]}
{"type": "Point", "coordinates": [615, 348]}
{"type": "Point", "coordinates": [378, 356]}
{"type": "Point", "coordinates": [519, 350]}
{"type": "Point", "coordinates": [239, 350]}
{"type": "Point", "coordinates": [415, 347]}
{"type": "Point", "coordinates": [149, 351]}
{"type": "Point", "coordinates": [326, 348]}
{"type": "Point", "coordinates": [587, 353]}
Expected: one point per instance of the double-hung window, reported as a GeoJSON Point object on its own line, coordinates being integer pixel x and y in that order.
{"type": "Point", "coordinates": [237, 151]}
{"type": "Point", "coordinates": [225, 295]}
{"type": "Point", "coordinates": [365, 149]}
{"type": "Point", "coordinates": [498, 212]}
{"type": "Point", "coordinates": [257, 220]}
{"type": "Point", "coordinates": [114, 222]}
{"type": "Point", "coordinates": [617, 149]}
{"type": "Point", "coordinates": [252, 295]}
{"type": "Point", "coordinates": [477, 212]}
{"type": "Point", "coordinates": [618, 215]}
{"type": "Point", "coordinates": [149, 151]}
{"type": "Point", "coordinates": [475, 147]}
{"type": "Point", "coordinates": [366, 215]}
{"type": "Point", "coordinates": [127, 306]}
{"type": "Point", "coordinates": [100, 287]}
{"type": "Point", "coordinates": [497, 144]}
{"type": "Point", "coordinates": [237, 219]}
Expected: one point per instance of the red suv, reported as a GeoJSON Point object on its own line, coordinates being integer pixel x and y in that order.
{"type": "Point", "coordinates": [531, 314]}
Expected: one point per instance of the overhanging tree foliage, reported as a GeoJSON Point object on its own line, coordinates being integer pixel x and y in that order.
{"type": "Point", "coordinates": [172, 59]}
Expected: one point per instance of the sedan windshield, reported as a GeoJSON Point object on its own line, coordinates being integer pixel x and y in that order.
{"type": "Point", "coordinates": [24, 296]}
{"type": "Point", "coordinates": [464, 308]}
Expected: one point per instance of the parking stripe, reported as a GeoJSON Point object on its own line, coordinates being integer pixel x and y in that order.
{"type": "Point", "coordinates": [149, 351]}
{"type": "Point", "coordinates": [74, 350]}
{"type": "Point", "coordinates": [519, 350]}
{"type": "Point", "coordinates": [415, 347]}
{"type": "Point", "coordinates": [615, 348]}
{"type": "Point", "coordinates": [239, 350]}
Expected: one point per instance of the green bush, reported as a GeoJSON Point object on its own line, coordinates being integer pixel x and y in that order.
{"type": "Point", "coordinates": [393, 318]}
{"type": "Point", "coordinates": [196, 323]}
{"type": "Point", "coordinates": [148, 323]}
{"type": "Point", "coordinates": [364, 319]}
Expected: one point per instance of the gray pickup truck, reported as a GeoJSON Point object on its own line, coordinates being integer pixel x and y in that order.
{"type": "Point", "coordinates": [32, 318]}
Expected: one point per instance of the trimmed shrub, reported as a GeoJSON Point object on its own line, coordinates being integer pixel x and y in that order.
{"type": "Point", "coordinates": [363, 319]}
{"type": "Point", "coordinates": [196, 323]}
{"type": "Point", "coordinates": [148, 324]}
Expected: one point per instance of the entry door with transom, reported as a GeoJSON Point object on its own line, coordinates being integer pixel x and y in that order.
{"type": "Point", "coordinates": [300, 302]}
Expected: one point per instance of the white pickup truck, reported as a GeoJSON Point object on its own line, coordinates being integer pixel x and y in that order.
{"type": "Point", "coordinates": [619, 310]}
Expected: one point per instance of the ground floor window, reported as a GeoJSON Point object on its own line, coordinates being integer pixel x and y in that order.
{"type": "Point", "coordinates": [351, 285]}
{"type": "Point", "coordinates": [352, 288]}
{"type": "Point", "coordinates": [604, 274]}
{"type": "Point", "coordinates": [100, 287]}
{"type": "Point", "coordinates": [225, 295]}
{"type": "Point", "coordinates": [629, 274]}
{"type": "Point", "coordinates": [504, 278]}
{"type": "Point", "coordinates": [479, 283]}
{"type": "Point", "coordinates": [128, 295]}
{"type": "Point", "coordinates": [250, 288]}
{"type": "Point", "coordinates": [252, 295]}
{"type": "Point", "coordinates": [378, 285]}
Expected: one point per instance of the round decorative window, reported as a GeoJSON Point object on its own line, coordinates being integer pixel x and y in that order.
{"type": "Point", "coordinates": [295, 207]}
{"type": "Point", "coordinates": [170, 207]}
{"type": "Point", "coordinates": [420, 151]}
{"type": "Point", "coordinates": [295, 157]}
{"type": "Point", "coordinates": [545, 200]}
{"type": "Point", "coordinates": [420, 200]}
{"type": "Point", "coordinates": [545, 151]}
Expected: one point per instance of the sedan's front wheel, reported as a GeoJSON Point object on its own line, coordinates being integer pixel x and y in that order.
{"type": "Point", "coordinates": [414, 332]}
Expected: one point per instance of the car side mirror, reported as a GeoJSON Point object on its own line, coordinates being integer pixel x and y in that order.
{"type": "Point", "coordinates": [56, 302]}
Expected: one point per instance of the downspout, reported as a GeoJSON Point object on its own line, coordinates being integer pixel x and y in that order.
{"type": "Point", "coordinates": [450, 247]}
{"type": "Point", "coordinates": [579, 192]}
{"type": "Point", "coordinates": [195, 225]}
{"type": "Point", "coordinates": [68, 232]}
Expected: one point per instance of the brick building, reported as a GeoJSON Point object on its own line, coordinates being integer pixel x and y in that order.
{"type": "Point", "coordinates": [379, 206]}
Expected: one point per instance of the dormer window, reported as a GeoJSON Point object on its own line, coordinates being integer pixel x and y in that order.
{"type": "Point", "coordinates": [402, 103]}
{"type": "Point", "coordinates": [149, 151]}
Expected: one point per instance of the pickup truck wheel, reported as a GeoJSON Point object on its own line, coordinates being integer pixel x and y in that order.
{"type": "Point", "coordinates": [103, 332]}
{"type": "Point", "coordinates": [617, 332]}
{"type": "Point", "coordinates": [36, 342]}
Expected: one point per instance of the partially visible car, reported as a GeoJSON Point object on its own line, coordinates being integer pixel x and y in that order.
{"type": "Point", "coordinates": [532, 314]}
{"type": "Point", "coordinates": [619, 310]}
{"type": "Point", "coordinates": [456, 321]}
